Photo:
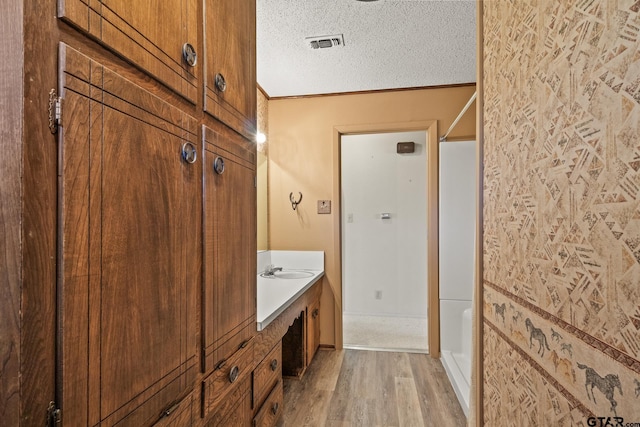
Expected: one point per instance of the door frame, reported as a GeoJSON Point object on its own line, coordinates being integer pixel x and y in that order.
{"type": "Point", "coordinates": [430, 127]}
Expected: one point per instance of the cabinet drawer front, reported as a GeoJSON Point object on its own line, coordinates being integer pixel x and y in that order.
{"type": "Point", "coordinates": [267, 374]}
{"type": "Point", "coordinates": [272, 409]}
{"type": "Point", "coordinates": [226, 378]}
{"type": "Point", "coordinates": [235, 410]}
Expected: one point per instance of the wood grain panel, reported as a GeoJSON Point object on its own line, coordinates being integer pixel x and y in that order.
{"type": "Point", "coordinates": [39, 198]}
{"type": "Point", "coordinates": [147, 33]}
{"type": "Point", "coordinates": [235, 410]}
{"type": "Point", "coordinates": [230, 50]}
{"type": "Point", "coordinates": [184, 413]}
{"type": "Point", "coordinates": [11, 105]}
{"type": "Point", "coordinates": [230, 245]}
{"type": "Point", "coordinates": [128, 289]}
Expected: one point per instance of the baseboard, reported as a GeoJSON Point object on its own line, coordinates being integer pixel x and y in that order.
{"type": "Point", "coordinates": [326, 347]}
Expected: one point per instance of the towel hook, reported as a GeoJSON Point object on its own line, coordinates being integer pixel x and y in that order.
{"type": "Point", "coordinates": [294, 203]}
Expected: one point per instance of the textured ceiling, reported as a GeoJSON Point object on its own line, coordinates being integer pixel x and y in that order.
{"type": "Point", "coordinates": [387, 45]}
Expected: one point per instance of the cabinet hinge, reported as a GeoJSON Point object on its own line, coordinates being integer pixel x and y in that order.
{"type": "Point", "coordinates": [54, 415]}
{"type": "Point", "coordinates": [255, 181]}
{"type": "Point", "coordinates": [55, 111]}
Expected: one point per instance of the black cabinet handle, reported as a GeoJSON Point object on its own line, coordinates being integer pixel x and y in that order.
{"type": "Point", "coordinates": [275, 407]}
{"type": "Point", "coordinates": [274, 364]}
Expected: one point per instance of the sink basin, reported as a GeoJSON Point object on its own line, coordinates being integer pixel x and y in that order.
{"type": "Point", "coordinates": [290, 274]}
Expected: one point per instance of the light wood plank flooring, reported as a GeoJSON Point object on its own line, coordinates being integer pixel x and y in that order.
{"type": "Point", "coordinates": [351, 388]}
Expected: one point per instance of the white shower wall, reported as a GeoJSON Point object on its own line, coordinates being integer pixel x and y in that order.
{"type": "Point", "coordinates": [457, 210]}
{"type": "Point", "coordinates": [384, 257]}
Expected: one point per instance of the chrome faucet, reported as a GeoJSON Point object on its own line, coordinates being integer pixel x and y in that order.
{"type": "Point", "coordinates": [270, 270]}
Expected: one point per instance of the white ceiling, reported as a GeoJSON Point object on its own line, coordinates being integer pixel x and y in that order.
{"type": "Point", "coordinates": [388, 44]}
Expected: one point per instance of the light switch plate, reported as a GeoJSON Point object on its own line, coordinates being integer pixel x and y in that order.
{"type": "Point", "coordinates": [324, 206]}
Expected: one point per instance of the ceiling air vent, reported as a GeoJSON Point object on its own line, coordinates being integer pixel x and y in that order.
{"type": "Point", "coordinates": [321, 42]}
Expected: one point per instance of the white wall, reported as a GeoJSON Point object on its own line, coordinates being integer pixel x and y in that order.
{"type": "Point", "coordinates": [384, 255]}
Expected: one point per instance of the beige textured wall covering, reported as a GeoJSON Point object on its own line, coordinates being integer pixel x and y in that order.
{"type": "Point", "coordinates": [562, 211]}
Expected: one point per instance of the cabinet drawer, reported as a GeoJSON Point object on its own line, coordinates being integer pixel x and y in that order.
{"type": "Point", "coordinates": [271, 409]}
{"type": "Point", "coordinates": [235, 410]}
{"type": "Point", "coordinates": [226, 378]}
{"type": "Point", "coordinates": [182, 414]}
{"type": "Point", "coordinates": [267, 374]}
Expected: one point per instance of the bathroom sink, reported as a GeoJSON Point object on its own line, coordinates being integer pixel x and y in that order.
{"type": "Point", "coordinates": [289, 274]}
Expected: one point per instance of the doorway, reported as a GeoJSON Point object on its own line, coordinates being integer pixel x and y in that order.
{"type": "Point", "coordinates": [384, 240]}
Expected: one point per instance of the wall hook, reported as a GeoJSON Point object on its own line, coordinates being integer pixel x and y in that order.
{"type": "Point", "coordinates": [294, 203]}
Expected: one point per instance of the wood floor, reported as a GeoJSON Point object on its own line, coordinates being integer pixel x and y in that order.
{"type": "Point", "coordinates": [369, 388]}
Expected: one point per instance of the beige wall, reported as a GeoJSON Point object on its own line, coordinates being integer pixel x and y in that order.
{"type": "Point", "coordinates": [304, 158]}
{"type": "Point", "coordinates": [561, 218]}
{"type": "Point", "coordinates": [262, 174]}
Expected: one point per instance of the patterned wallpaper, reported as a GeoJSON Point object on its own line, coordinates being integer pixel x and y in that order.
{"type": "Point", "coordinates": [561, 211]}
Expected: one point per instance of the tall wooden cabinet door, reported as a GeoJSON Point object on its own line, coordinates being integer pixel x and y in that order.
{"type": "Point", "coordinates": [130, 263]}
{"type": "Point", "coordinates": [159, 37]}
{"type": "Point", "coordinates": [230, 244]}
{"type": "Point", "coordinates": [230, 69]}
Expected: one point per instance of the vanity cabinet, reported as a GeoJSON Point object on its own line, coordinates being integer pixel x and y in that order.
{"type": "Point", "coordinates": [313, 329]}
{"type": "Point", "coordinates": [230, 73]}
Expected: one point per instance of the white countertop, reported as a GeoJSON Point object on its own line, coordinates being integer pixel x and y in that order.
{"type": "Point", "coordinates": [275, 295]}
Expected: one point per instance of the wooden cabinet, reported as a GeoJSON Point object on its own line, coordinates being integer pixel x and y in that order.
{"type": "Point", "coordinates": [137, 261]}
{"type": "Point", "coordinates": [129, 251]}
{"type": "Point", "coordinates": [313, 329]}
{"type": "Point", "coordinates": [230, 244]}
{"type": "Point", "coordinates": [230, 76]}
{"type": "Point", "coordinates": [150, 34]}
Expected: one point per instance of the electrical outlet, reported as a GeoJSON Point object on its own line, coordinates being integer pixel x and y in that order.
{"type": "Point", "coordinates": [350, 217]}
{"type": "Point", "coordinates": [378, 294]}
{"type": "Point", "coordinates": [324, 206]}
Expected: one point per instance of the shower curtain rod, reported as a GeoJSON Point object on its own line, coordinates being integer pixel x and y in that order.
{"type": "Point", "coordinates": [455, 122]}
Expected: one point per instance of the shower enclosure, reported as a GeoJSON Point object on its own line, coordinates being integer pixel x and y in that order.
{"type": "Point", "coordinates": [456, 268]}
